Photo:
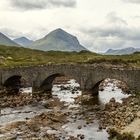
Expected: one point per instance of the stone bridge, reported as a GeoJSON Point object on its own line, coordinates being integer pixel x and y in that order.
{"type": "Point", "coordinates": [89, 76]}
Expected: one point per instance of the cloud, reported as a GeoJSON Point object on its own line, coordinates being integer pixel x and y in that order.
{"type": "Point", "coordinates": [132, 1]}
{"type": "Point", "coordinates": [114, 34]}
{"type": "Point", "coordinates": [113, 18]}
{"type": "Point", "coordinates": [117, 32]}
{"type": "Point", "coordinates": [32, 34]}
{"type": "Point", "coordinates": [42, 4]}
{"type": "Point", "coordinates": [10, 32]}
{"type": "Point", "coordinates": [112, 37]}
{"type": "Point", "coordinates": [114, 27]}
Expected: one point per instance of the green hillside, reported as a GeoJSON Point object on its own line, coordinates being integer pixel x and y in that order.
{"type": "Point", "coordinates": [58, 40]}
{"type": "Point", "coordinates": [15, 56]}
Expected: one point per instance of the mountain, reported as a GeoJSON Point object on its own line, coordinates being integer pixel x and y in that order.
{"type": "Point", "coordinates": [58, 40]}
{"type": "Point", "coordinates": [130, 50]}
{"type": "Point", "coordinates": [4, 40]}
{"type": "Point", "coordinates": [23, 41]}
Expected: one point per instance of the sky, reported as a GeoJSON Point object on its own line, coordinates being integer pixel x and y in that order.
{"type": "Point", "coordinates": [99, 25]}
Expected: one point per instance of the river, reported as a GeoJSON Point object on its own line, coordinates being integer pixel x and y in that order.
{"type": "Point", "coordinates": [82, 122]}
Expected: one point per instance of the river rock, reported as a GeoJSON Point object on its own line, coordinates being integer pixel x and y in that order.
{"type": "Point", "coordinates": [117, 114]}
{"type": "Point", "coordinates": [9, 137]}
{"type": "Point", "coordinates": [112, 100]}
{"type": "Point", "coordinates": [79, 127]}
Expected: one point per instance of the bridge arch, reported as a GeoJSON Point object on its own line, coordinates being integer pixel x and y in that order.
{"type": "Point", "coordinates": [13, 83]}
{"type": "Point", "coordinates": [96, 87]}
{"type": "Point", "coordinates": [47, 83]}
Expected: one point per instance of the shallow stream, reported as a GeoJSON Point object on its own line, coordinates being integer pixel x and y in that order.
{"type": "Point", "coordinates": [77, 125]}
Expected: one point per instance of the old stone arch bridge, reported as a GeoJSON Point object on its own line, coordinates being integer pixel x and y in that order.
{"type": "Point", "coordinates": [88, 76]}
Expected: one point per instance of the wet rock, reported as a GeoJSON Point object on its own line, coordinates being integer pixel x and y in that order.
{"type": "Point", "coordinates": [45, 104]}
{"type": "Point", "coordinates": [9, 137]}
{"type": "Point", "coordinates": [100, 127]}
{"type": "Point", "coordinates": [117, 114]}
{"type": "Point", "coordinates": [96, 108]}
{"type": "Point", "coordinates": [72, 138]}
{"type": "Point", "coordinates": [101, 89]}
{"type": "Point", "coordinates": [73, 92]}
{"type": "Point", "coordinates": [80, 136]}
{"type": "Point", "coordinates": [112, 100]}
{"type": "Point", "coordinates": [79, 127]}
{"type": "Point", "coordinates": [21, 99]}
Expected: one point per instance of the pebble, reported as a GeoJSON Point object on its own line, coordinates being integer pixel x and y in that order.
{"type": "Point", "coordinates": [79, 127]}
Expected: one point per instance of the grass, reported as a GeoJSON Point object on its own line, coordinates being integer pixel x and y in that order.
{"type": "Point", "coordinates": [15, 56]}
{"type": "Point", "coordinates": [115, 135]}
{"type": "Point", "coordinates": [138, 95]}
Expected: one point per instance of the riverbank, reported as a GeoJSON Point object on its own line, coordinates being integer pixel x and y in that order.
{"type": "Point", "coordinates": [122, 117]}
{"type": "Point", "coordinates": [119, 115]}
{"type": "Point", "coordinates": [31, 120]}
{"type": "Point", "coordinates": [134, 126]}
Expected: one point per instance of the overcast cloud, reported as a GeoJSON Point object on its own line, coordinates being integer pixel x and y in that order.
{"type": "Point", "coordinates": [132, 1]}
{"type": "Point", "coordinates": [41, 4]}
{"type": "Point", "coordinates": [99, 25]}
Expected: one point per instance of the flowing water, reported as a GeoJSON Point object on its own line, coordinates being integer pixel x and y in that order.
{"type": "Point", "coordinates": [77, 124]}
{"type": "Point", "coordinates": [90, 131]}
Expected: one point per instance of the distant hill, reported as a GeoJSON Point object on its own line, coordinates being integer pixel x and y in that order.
{"type": "Point", "coordinates": [23, 41]}
{"type": "Point", "coordinates": [20, 56]}
{"type": "Point", "coordinates": [4, 40]}
{"type": "Point", "coordinates": [130, 50]}
{"type": "Point", "coordinates": [58, 40]}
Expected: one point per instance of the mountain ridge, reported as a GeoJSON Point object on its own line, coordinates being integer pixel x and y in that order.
{"type": "Point", "coordinates": [58, 40]}
{"type": "Point", "coordinates": [4, 40]}
{"type": "Point", "coordinates": [129, 50]}
{"type": "Point", "coordinates": [23, 41]}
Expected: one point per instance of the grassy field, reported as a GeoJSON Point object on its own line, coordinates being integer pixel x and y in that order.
{"type": "Point", "coordinates": [14, 56]}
